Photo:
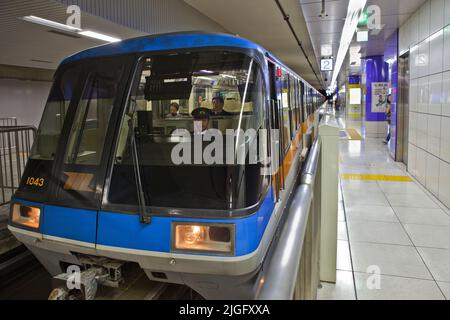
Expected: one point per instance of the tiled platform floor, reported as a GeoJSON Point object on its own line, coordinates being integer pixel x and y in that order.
{"type": "Point", "coordinates": [396, 228]}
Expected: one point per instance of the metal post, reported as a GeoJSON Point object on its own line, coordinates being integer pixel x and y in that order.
{"type": "Point", "coordinates": [329, 137]}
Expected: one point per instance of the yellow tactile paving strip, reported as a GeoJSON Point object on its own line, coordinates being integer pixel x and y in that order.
{"type": "Point", "coordinates": [374, 177]}
{"type": "Point", "coordinates": [354, 135]}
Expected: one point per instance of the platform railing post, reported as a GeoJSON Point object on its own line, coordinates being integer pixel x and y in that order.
{"type": "Point", "coordinates": [315, 274]}
{"type": "Point", "coordinates": [329, 137]}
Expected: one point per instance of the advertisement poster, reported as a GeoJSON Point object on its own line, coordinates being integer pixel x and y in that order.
{"type": "Point", "coordinates": [380, 92]}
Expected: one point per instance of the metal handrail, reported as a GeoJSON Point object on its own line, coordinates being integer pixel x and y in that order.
{"type": "Point", "coordinates": [15, 147]}
{"type": "Point", "coordinates": [8, 122]}
{"type": "Point", "coordinates": [281, 276]}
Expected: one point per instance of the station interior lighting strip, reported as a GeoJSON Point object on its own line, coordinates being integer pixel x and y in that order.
{"type": "Point", "coordinates": [67, 28]}
{"type": "Point", "coordinates": [355, 9]}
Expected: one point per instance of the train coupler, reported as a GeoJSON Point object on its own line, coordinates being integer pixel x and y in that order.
{"type": "Point", "coordinates": [83, 285]}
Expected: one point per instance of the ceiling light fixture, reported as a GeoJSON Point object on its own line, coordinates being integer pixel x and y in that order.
{"type": "Point", "coordinates": [326, 50]}
{"type": "Point", "coordinates": [355, 9]}
{"type": "Point", "coordinates": [362, 36]}
{"type": "Point", "coordinates": [51, 24]}
{"type": "Point", "coordinates": [70, 29]}
{"type": "Point", "coordinates": [99, 36]}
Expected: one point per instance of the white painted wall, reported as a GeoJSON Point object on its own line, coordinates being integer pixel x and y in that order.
{"type": "Point", "coordinates": [427, 37]}
{"type": "Point", "coordinates": [24, 100]}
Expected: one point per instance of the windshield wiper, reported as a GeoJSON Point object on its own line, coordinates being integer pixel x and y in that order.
{"type": "Point", "coordinates": [144, 217]}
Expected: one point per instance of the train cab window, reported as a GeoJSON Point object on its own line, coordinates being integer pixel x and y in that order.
{"type": "Point", "coordinates": [82, 159]}
{"type": "Point", "coordinates": [91, 121]}
{"type": "Point", "coordinates": [226, 89]}
{"type": "Point", "coordinates": [46, 142]}
{"type": "Point", "coordinates": [54, 115]}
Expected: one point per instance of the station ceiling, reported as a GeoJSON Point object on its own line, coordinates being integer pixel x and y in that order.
{"type": "Point", "coordinates": [328, 30]}
{"type": "Point", "coordinates": [31, 45]}
{"type": "Point", "coordinates": [262, 22]}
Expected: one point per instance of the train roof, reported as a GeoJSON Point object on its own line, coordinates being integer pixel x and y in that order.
{"type": "Point", "coordinates": [172, 41]}
{"type": "Point", "coordinates": [167, 41]}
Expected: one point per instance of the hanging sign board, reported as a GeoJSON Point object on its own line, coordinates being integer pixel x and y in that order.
{"type": "Point", "coordinates": [326, 65]}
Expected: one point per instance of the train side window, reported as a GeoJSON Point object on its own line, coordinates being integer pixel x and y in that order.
{"type": "Point", "coordinates": [292, 105]}
{"type": "Point", "coordinates": [298, 96]}
{"type": "Point", "coordinates": [285, 110]}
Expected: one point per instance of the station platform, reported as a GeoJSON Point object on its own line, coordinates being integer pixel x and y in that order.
{"type": "Point", "coordinates": [389, 225]}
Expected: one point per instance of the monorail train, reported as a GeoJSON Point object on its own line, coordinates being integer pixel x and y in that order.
{"type": "Point", "coordinates": [101, 190]}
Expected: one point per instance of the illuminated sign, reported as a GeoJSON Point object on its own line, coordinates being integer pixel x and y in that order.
{"type": "Point", "coordinates": [326, 65]}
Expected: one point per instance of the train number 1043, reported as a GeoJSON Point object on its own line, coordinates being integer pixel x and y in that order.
{"type": "Point", "coordinates": [38, 182]}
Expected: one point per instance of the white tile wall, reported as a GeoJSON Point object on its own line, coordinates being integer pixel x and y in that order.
{"type": "Point", "coordinates": [427, 35]}
{"type": "Point", "coordinates": [423, 63]}
{"type": "Point", "coordinates": [413, 128]}
{"type": "Point", "coordinates": [414, 59]}
{"type": "Point", "coordinates": [446, 94]}
{"type": "Point", "coordinates": [413, 94]}
{"type": "Point", "coordinates": [434, 135]}
{"type": "Point", "coordinates": [436, 52]}
{"type": "Point", "coordinates": [414, 32]}
{"type": "Point", "coordinates": [424, 21]}
{"type": "Point", "coordinates": [444, 183]}
{"type": "Point", "coordinates": [421, 166]}
{"type": "Point", "coordinates": [446, 48]}
{"type": "Point", "coordinates": [432, 178]}
{"type": "Point", "coordinates": [422, 130]}
{"type": "Point", "coordinates": [412, 159]}
{"type": "Point", "coordinates": [436, 15]}
{"type": "Point", "coordinates": [435, 96]}
{"type": "Point", "coordinates": [423, 94]}
{"type": "Point", "coordinates": [447, 12]}
{"type": "Point", "coordinates": [445, 139]}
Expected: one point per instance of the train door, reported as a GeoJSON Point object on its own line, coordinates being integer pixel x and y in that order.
{"type": "Point", "coordinates": [403, 110]}
{"type": "Point", "coordinates": [275, 124]}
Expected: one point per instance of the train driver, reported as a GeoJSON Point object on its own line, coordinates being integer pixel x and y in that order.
{"type": "Point", "coordinates": [201, 118]}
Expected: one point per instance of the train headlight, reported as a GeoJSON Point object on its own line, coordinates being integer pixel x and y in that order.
{"type": "Point", "coordinates": [200, 237]}
{"type": "Point", "coordinates": [26, 216]}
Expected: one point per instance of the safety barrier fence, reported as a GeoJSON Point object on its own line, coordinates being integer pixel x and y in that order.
{"type": "Point", "coordinates": [15, 147]}
{"type": "Point", "coordinates": [304, 253]}
{"type": "Point", "coordinates": [8, 122]}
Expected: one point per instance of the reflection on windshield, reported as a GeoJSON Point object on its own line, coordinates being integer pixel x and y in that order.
{"type": "Point", "coordinates": [193, 92]}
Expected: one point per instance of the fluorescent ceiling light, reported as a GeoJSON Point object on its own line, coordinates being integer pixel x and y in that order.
{"type": "Point", "coordinates": [206, 78]}
{"type": "Point", "coordinates": [67, 28]}
{"type": "Point", "coordinates": [49, 23]}
{"type": "Point", "coordinates": [355, 8]}
{"type": "Point", "coordinates": [99, 36]}
{"type": "Point", "coordinates": [362, 36]}
{"type": "Point", "coordinates": [228, 76]}
{"type": "Point", "coordinates": [326, 50]}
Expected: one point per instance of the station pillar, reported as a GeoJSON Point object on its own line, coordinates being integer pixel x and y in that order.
{"type": "Point", "coordinates": [376, 88]}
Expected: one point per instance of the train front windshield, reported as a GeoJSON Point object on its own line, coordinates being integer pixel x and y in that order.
{"type": "Point", "coordinates": [226, 90]}
{"type": "Point", "coordinates": [96, 116]}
